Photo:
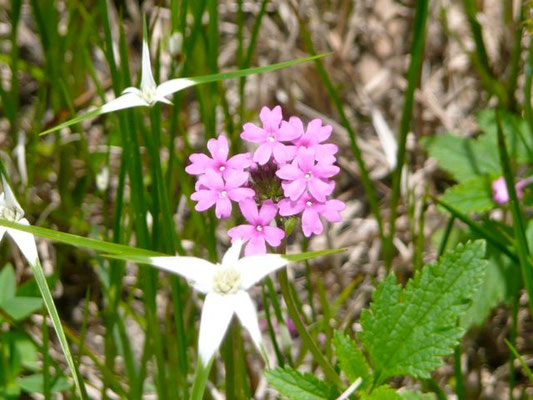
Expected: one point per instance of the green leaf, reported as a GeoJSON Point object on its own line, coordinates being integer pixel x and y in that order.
{"type": "Point", "coordinates": [80, 241]}
{"type": "Point", "coordinates": [464, 158]}
{"type": "Point", "coordinates": [34, 384]}
{"type": "Point", "coordinates": [20, 308]}
{"type": "Point", "coordinates": [472, 195]}
{"type": "Point", "coordinates": [196, 80]}
{"type": "Point", "coordinates": [8, 283]}
{"type": "Point", "coordinates": [408, 330]}
{"type": "Point", "coordinates": [297, 386]}
{"type": "Point", "coordinates": [415, 395]}
{"type": "Point", "coordinates": [351, 359]}
{"type": "Point", "coordinates": [382, 393]}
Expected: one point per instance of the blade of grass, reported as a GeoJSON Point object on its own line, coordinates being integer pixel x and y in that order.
{"type": "Point", "coordinates": [524, 365]}
{"type": "Point", "coordinates": [413, 76]}
{"type": "Point", "coordinates": [521, 245]}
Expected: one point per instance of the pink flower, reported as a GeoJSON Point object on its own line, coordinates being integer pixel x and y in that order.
{"type": "Point", "coordinates": [270, 137]}
{"type": "Point", "coordinates": [312, 211]}
{"type": "Point", "coordinates": [303, 173]}
{"type": "Point", "coordinates": [258, 231]}
{"type": "Point", "coordinates": [219, 162]}
{"type": "Point", "coordinates": [499, 189]}
{"type": "Point", "coordinates": [211, 190]}
{"type": "Point", "coordinates": [313, 137]}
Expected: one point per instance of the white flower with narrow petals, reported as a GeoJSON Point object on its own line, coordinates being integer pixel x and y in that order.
{"type": "Point", "coordinates": [225, 286]}
{"type": "Point", "coordinates": [11, 210]}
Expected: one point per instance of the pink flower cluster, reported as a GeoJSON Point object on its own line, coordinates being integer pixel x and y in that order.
{"type": "Point", "coordinates": [289, 173]}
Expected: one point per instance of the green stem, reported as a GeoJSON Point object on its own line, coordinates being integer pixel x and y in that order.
{"type": "Point", "coordinates": [459, 386]}
{"type": "Point", "coordinates": [413, 75]}
{"type": "Point", "coordinates": [328, 370]}
{"type": "Point", "coordinates": [200, 379]}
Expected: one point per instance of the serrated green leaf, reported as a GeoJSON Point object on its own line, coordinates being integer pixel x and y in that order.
{"type": "Point", "coordinates": [34, 384]}
{"type": "Point", "coordinates": [472, 195]}
{"type": "Point", "coordinates": [463, 158]}
{"type": "Point", "coordinates": [8, 283]}
{"type": "Point", "coordinates": [382, 393]}
{"type": "Point", "coordinates": [20, 308]}
{"type": "Point", "coordinates": [408, 330]}
{"type": "Point", "coordinates": [351, 359]}
{"type": "Point", "coordinates": [297, 386]}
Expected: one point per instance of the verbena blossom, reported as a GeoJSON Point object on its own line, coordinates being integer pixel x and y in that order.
{"type": "Point", "coordinates": [225, 286]}
{"type": "Point", "coordinates": [313, 138]}
{"type": "Point", "coordinates": [11, 210]}
{"type": "Point", "coordinates": [213, 190]}
{"type": "Point", "coordinates": [218, 162]}
{"type": "Point", "coordinates": [306, 173]}
{"type": "Point", "coordinates": [291, 171]}
{"type": "Point", "coordinates": [270, 137]}
{"type": "Point", "coordinates": [258, 231]}
{"type": "Point", "coordinates": [311, 211]}
{"type": "Point", "coordinates": [499, 189]}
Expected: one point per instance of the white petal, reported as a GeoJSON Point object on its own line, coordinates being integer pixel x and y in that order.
{"type": "Point", "coordinates": [147, 78]}
{"type": "Point", "coordinates": [127, 100]}
{"type": "Point", "coordinates": [232, 254]}
{"type": "Point", "coordinates": [26, 242]}
{"type": "Point", "coordinates": [216, 316]}
{"type": "Point", "coordinates": [9, 196]}
{"type": "Point", "coordinates": [173, 86]}
{"type": "Point", "coordinates": [245, 310]}
{"type": "Point", "coordinates": [3, 230]}
{"type": "Point", "coordinates": [200, 272]}
{"type": "Point", "coordinates": [255, 268]}
{"type": "Point", "coordinates": [162, 99]}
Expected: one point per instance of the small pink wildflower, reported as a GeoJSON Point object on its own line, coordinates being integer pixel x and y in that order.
{"type": "Point", "coordinates": [219, 162]}
{"type": "Point", "coordinates": [303, 173]}
{"type": "Point", "coordinates": [212, 189]}
{"type": "Point", "coordinates": [499, 189]}
{"type": "Point", "coordinates": [258, 231]}
{"type": "Point", "coordinates": [270, 137]}
{"type": "Point", "coordinates": [312, 138]}
{"type": "Point", "coordinates": [311, 211]}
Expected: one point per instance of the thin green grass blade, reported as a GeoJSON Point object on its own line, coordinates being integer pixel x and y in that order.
{"type": "Point", "coordinates": [522, 362]}
{"type": "Point", "coordinates": [521, 245]}
{"type": "Point", "coordinates": [183, 83]}
{"type": "Point", "coordinates": [413, 75]}
{"type": "Point", "coordinates": [80, 241]}
{"type": "Point", "coordinates": [56, 322]}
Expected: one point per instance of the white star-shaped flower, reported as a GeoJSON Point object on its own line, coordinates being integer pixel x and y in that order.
{"type": "Point", "coordinates": [225, 286]}
{"type": "Point", "coordinates": [11, 210]}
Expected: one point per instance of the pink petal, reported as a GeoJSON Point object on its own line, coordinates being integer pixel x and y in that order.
{"type": "Point", "coordinates": [288, 132]}
{"type": "Point", "coordinates": [223, 208]}
{"type": "Point", "coordinates": [212, 180]}
{"type": "Point", "coordinates": [253, 133]}
{"type": "Point", "coordinates": [205, 199]}
{"type": "Point", "coordinates": [295, 188]}
{"type": "Point", "coordinates": [290, 172]}
{"type": "Point", "coordinates": [273, 235]}
{"type": "Point", "coordinates": [267, 213]}
{"type": "Point", "coordinates": [281, 155]}
{"type": "Point", "coordinates": [320, 189]}
{"type": "Point", "coordinates": [256, 245]}
{"type": "Point", "coordinates": [306, 159]}
{"type": "Point", "coordinates": [218, 148]}
{"type": "Point", "coordinates": [240, 161]}
{"type": "Point", "coordinates": [298, 125]}
{"type": "Point", "coordinates": [271, 118]}
{"type": "Point", "coordinates": [318, 132]}
{"type": "Point", "coordinates": [263, 153]}
{"type": "Point", "coordinates": [325, 170]}
{"type": "Point", "coordinates": [199, 163]}
{"type": "Point", "coordinates": [331, 210]}
{"type": "Point", "coordinates": [243, 232]}
{"type": "Point", "coordinates": [288, 207]}
{"type": "Point", "coordinates": [236, 179]}
{"type": "Point", "coordinates": [311, 223]}
{"type": "Point", "coordinates": [239, 194]}
{"type": "Point", "coordinates": [249, 210]}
